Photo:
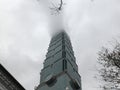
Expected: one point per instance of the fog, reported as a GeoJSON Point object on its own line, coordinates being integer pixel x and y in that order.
{"type": "Point", "coordinates": [26, 29]}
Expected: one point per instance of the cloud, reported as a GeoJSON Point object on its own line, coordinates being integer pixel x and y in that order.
{"type": "Point", "coordinates": [23, 26]}
{"type": "Point", "coordinates": [93, 26]}
{"type": "Point", "coordinates": [24, 36]}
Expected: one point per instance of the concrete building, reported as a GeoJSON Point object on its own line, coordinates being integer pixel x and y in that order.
{"type": "Point", "coordinates": [7, 81]}
{"type": "Point", "coordinates": [60, 71]}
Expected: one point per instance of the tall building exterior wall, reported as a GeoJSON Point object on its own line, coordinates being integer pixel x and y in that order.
{"type": "Point", "coordinates": [7, 81]}
{"type": "Point", "coordinates": [60, 71]}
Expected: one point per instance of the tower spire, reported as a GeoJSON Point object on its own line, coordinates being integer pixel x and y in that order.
{"type": "Point", "coordinates": [60, 71]}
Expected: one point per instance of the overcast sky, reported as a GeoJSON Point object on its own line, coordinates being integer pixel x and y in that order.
{"type": "Point", "coordinates": [25, 36]}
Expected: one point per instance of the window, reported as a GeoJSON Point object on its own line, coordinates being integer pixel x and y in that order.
{"type": "Point", "coordinates": [75, 84]}
{"type": "Point", "coordinates": [64, 65]}
{"type": "Point", "coordinates": [50, 80]}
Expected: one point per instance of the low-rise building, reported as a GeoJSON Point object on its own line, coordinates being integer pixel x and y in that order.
{"type": "Point", "coordinates": [7, 81]}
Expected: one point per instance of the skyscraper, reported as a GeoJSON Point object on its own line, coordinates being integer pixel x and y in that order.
{"type": "Point", "coordinates": [60, 71]}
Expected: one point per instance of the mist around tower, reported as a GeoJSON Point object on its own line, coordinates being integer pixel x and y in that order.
{"type": "Point", "coordinates": [26, 28]}
{"type": "Point", "coordinates": [55, 12]}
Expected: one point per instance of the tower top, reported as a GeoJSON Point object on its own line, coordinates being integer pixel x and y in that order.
{"type": "Point", "coordinates": [58, 33]}
{"type": "Point", "coordinates": [60, 70]}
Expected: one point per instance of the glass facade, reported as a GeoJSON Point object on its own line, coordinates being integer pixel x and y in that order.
{"type": "Point", "coordinates": [60, 68]}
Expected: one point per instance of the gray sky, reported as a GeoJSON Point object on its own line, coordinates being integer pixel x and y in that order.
{"type": "Point", "coordinates": [24, 36]}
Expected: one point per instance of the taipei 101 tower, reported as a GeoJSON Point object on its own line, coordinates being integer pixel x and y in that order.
{"type": "Point", "coordinates": [60, 71]}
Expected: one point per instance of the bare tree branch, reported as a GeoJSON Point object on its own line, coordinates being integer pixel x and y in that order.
{"type": "Point", "coordinates": [61, 4]}
{"type": "Point", "coordinates": [57, 8]}
{"type": "Point", "coordinates": [110, 70]}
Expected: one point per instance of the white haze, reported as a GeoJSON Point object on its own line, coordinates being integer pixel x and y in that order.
{"type": "Point", "coordinates": [55, 17]}
{"type": "Point", "coordinates": [24, 36]}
